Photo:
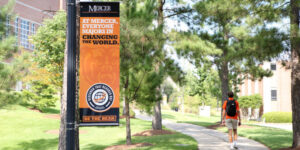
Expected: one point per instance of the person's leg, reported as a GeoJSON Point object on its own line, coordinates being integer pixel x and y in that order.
{"type": "Point", "coordinates": [230, 135]}
{"type": "Point", "coordinates": [229, 126]}
{"type": "Point", "coordinates": [234, 134]}
{"type": "Point", "coordinates": [234, 127]}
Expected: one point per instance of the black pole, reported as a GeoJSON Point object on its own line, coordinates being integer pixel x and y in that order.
{"type": "Point", "coordinates": [71, 74]}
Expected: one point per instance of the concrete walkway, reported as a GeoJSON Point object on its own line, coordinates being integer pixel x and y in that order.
{"type": "Point", "coordinates": [207, 139]}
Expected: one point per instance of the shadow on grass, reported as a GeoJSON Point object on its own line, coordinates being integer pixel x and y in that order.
{"type": "Point", "coordinates": [40, 144]}
{"type": "Point", "coordinates": [51, 111]}
{"type": "Point", "coordinates": [170, 142]}
{"type": "Point", "coordinates": [203, 124]}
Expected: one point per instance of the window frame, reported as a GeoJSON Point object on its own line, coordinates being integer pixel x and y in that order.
{"type": "Point", "coordinates": [274, 97]}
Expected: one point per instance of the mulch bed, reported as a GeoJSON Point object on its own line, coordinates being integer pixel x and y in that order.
{"type": "Point", "coordinates": [153, 132]}
{"type": "Point", "coordinates": [125, 147]}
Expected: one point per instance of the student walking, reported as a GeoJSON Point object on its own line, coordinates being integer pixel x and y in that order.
{"type": "Point", "coordinates": [232, 118]}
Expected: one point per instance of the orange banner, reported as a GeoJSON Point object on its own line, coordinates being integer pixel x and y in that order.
{"type": "Point", "coordinates": [99, 67]}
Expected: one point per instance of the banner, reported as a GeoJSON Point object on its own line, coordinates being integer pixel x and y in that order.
{"type": "Point", "coordinates": [99, 69]}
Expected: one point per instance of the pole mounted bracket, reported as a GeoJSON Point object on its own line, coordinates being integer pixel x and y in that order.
{"type": "Point", "coordinates": [70, 4]}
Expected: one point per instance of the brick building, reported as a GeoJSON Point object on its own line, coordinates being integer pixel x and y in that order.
{"type": "Point", "coordinates": [29, 15]}
{"type": "Point", "coordinates": [275, 90]}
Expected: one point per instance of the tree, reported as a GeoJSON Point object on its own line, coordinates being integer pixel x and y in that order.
{"type": "Point", "coordinates": [236, 30]}
{"type": "Point", "coordinates": [50, 43]}
{"type": "Point", "coordinates": [12, 65]}
{"type": "Point", "coordinates": [167, 89]}
{"type": "Point", "coordinates": [170, 67]}
{"type": "Point", "coordinates": [295, 50]}
{"type": "Point", "coordinates": [8, 77]}
{"type": "Point", "coordinates": [251, 101]}
{"type": "Point", "coordinates": [136, 51]}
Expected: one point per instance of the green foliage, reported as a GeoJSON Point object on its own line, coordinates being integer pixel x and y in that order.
{"type": "Point", "coordinates": [232, 36]}
{"type": "Point", "coordinates": [138, 76]}
{"type": "Point", "coordinates": [251, 101]}
{"type": "Point", "coordinates": [205, 84]}
{"type": "Point", "coordinates": [174, 104]}
{"type": "Point", "coordinates": [49, 43]}
{"type": "Point", "coordinates": [7, 41]}
{"type": "Point", "coordinates": [40, 95]}
{"type": "Point", "coordinates": [9, 73]}
{"type": "Point", "coordinates": [278, 117]}
{"type": "Point", "coordinates": [167, 89]}
{"type": "Point", "coordinates": [14, 71]}
{"type": "Point", "coordinates": [10, 97]}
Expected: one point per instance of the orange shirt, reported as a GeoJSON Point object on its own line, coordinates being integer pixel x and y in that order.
{"type": "Point", "coordinates": [237, 109]}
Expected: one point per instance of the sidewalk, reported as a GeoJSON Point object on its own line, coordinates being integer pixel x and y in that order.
{"type": "Point", "coordinates": [207, 139]}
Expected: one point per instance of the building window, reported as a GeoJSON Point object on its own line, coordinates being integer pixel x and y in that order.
{"type": "Point", "coordinates": [7, 24]}
{"type": "Point", "coordinates": [32, 33]}
{"type": "Point", "coordinates": [24, 33]}
{"type": "Point", "coordinates": [273, 67]}
{"type": "Point", "coordinates": [17, 30]}
{"type": "Point", "coordinates": [274, 95]}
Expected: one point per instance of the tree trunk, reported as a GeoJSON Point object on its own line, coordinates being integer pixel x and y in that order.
{"type": "Point", "coordinates": [124, 105]}
{"type": "Point", "coordinates": [128, 130]}
{"type": "Point", "coordinates": [157, 120]}
{"type": "Point", "coordinates": [295, 48]}
{"type": "Point", "coordinates": [168, 98]}
{"type": "Point", "coordinates": [127, 114]}
{"type": "Point", "coordinates": [63, 105]}
{"type": "Point", "coordinates": [223, 73]}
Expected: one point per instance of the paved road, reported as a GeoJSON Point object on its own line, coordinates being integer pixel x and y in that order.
{"type": "Point", "coordinates": [207, 139]}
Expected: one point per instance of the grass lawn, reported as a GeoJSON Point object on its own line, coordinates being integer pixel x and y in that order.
{"type": "Point", "coordinates": [271, 137]}
{"type": "Point", "coordinates": [189, 118]}
{"type": "Point", "coordinates": [24, 129]}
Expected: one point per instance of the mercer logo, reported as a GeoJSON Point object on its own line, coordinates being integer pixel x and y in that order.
{"type": "Point", "coordinates": [97, 8]}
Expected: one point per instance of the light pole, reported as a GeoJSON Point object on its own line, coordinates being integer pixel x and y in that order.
{"type": "Point", "coordinates": [71, 74]}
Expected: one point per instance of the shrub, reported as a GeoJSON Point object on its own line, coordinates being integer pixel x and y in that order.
{"type": "Point", "coordinates": [9, 97]}
{"type": "Point", "coordinates": [251, 101]}
{"type": "Point", "coordinates": [40, 96]}
{"type": "Point", "coordinates": [278, 117]}
{"type": "Point", "coordinates": [173, 105]}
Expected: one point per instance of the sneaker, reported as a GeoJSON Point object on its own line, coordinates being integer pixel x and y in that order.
{"type": "Point", "coordinates": [235, 145]}
{"type": "Point", "coordinates": [231, 146]}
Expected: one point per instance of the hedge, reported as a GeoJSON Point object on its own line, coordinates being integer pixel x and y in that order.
{"type": "Point", "coordinates": [278, 117]}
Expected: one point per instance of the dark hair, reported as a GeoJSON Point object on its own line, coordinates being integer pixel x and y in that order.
{"type": "Point", "coordinates": [230, 94]}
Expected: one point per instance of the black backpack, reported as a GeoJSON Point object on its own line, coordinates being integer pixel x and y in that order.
{"type": "Point", "coordinates": [231, 108]}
